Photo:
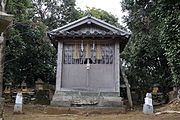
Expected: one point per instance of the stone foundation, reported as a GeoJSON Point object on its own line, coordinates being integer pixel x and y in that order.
{"type": "Point", "coordinates": [85, 110]}
{"type": "Point", "coordinates": [84, 98]}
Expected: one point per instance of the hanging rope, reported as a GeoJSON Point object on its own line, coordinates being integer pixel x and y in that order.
{"type": "Point", "coordinates": [93, 45]}
{"type": "Point", "coordinates": [82, 47]}
{"type": "Point", "coordinates": [88, 51]}
{"type": "Point", "coordinates": [76, 52]}
{"type": "Point", "coordinates": [98, 52]}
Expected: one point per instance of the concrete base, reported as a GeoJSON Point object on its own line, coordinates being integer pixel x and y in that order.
{"type": "Point", "coordinates": [18, 108]}
{"type": "Point", "coordinates": [84, 98]}
{"type": "Point", "coordinates": [147, 109]}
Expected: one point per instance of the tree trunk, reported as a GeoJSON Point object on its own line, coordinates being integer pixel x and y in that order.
{"type": "Point", "coordinates": [127, 87]}
{"type": "Point", "coordinates": [178, 94]}
{"type": "Point", "coordinates": [2, 45]}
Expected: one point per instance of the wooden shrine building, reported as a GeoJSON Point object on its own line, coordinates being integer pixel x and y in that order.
{"type": "Point", "coordinates": [88, 63]}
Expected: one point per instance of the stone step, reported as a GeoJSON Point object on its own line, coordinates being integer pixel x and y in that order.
{"type": "Point", "coordinates": [87, 93]}
{"type": "Point", "coordinates": [81, 98]}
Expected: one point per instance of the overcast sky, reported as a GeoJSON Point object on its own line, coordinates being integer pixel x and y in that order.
{"type": "Point", "coordinates": [112, 6]}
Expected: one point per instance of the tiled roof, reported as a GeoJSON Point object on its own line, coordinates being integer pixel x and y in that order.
{"type": "Point", "coordinates": [87, 34]}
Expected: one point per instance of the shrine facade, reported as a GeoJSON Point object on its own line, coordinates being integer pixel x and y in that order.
{"type": "Point", "coordinates": [88, 63]}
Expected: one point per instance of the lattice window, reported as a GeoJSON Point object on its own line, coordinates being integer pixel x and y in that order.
{"type": "Point", "coordinates": [79, 54]}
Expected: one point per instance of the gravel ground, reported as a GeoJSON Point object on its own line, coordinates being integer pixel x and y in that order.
{"type": "Point", "coordinates": [38, 112]}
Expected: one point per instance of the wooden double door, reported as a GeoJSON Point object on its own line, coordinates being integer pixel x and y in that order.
{"type": "Point", "coordinates": [88, 67]}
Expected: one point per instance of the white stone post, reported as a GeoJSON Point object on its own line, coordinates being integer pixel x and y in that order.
{"type": "Point", "coordinates": [148, 106]}
{"type": "Point", "coordinates": [18, 103]}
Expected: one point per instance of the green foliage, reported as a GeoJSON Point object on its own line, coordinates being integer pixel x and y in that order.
{"type": "Point", "coordinates": [103, 15]}
{"type": "Point", "coordinates": [29, 56]}
{"type": "Point", "coordinates": [153, 49]}
{"type": "Point", "coordinates": [170, 35]}
{"type": "Point", "coordinates": [20, 9]}
{"type": "Point", "coordinates": [55, 13]}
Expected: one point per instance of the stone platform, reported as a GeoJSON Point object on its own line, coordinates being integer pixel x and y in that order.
{"type": "Point", "coordinates": [84, 98]}
{"type": "Point", "coordinates": [86, 110]}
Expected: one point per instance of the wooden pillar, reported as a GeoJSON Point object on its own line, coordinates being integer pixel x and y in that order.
{"type": "Point", "coordinates": [59, 66]}
{"type": "Point", "coordinates": [116, 66]}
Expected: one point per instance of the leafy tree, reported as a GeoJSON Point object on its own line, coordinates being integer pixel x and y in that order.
{"type": "Point", "coordinates": [103, 15]}
{"type": "Point", "coordinates": [55, 13]}
{"type": "Point", "coordinates": [169, 28]}
{"type": "Point", "coordinates": [20, 9]}
{"type": "Point", "coordinates": [28, 57]}
{"type": "Point", "coordinates": [150, 50]}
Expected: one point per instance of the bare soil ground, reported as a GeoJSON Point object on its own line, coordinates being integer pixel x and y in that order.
{"type": "Point", "coordinates": [39, 112]}
{"type": "Point", "coordinates": [172, 105]}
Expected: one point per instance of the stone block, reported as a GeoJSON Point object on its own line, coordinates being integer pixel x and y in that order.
{"type": "Point", "coordinates": [109, 94]}
{"type": "Point", "coordinates": [111, 102]}
{"type": "Point", "coordinates": [90, 94]}
{"type": "Point", "coordinates": [147, 109]}
{"type": "Point", "coordinates": [67, 93]}
{"type": "Point", "coordinates": [85, 98]}
{"type": "Point", "coordinates": [42, 97]}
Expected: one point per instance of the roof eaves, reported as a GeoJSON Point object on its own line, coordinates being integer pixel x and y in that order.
{"type": "Point", "coordinates": [85, 19]}
{"type": "Point", "coordinates": [109, 25]}
{"type": "Point", "coordinates": [70, 24]}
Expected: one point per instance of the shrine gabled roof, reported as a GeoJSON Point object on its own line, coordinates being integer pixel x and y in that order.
{"type": "Point", "coordinates": [83, 27]}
